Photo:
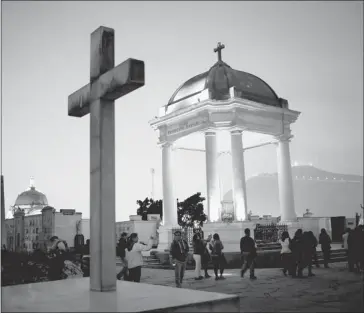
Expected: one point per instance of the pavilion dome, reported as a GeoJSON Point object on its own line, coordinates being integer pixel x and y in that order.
{"type": "Point", "coordinates": [218, 81]}
{"type": "Point", "coordinates": [30, 198]}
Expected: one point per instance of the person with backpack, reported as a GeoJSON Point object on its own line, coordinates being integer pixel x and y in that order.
{"type": "Point", "coordinates": [178, 253]}
{"type": "Point", "coordinates": [217, 256]}
{"type": "Point", "coordinates": [248, 254]}
{"type": "Point", "coordinates": [121, 253]}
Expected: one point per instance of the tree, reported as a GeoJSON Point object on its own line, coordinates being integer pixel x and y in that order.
{"type": "Point", "coordinates": [149, 206]}
{"type": "Point", "coordinates": [191, 212]}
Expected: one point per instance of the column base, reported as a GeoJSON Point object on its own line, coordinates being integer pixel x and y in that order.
{"type": "Point", "coordinates": [292, 226]}
{"type": "Point", "coordinates": [165, 237]}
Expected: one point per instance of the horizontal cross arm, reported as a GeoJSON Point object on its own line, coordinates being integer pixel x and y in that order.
{"type": "Point", "coordinates": [112, 85]}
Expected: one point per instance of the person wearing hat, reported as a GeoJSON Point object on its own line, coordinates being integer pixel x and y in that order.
{"type": "Point", "coordinates": [178, 256]}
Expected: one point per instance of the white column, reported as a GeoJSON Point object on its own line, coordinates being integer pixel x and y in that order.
{"type": "Point", "coordinates": [239, 183]}
{"type": "Point", "coordinates": [3, 229]}
{"type": "Point", "coordinates": [285, 183]}
{"type": "Point", "coordinates": [170, 217]}
{"type": "Point", "coordinates": [213, 197]}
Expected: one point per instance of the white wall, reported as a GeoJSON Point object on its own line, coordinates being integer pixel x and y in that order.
{"type": "Point", "coordinates": [65, 227]}
{"type": "Point", "coordinates": [145, 229]}
{"type": "Point", "coordinates": [315, 224]}
{"type": "Point", "coordinates": [85, 228]}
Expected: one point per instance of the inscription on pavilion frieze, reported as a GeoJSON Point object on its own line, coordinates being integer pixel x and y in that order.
{"type": "Point", "coordinates": [186, 126]}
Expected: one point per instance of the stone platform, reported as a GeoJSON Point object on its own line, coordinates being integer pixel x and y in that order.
{"type": "Point", "coordinates": [73, 295]}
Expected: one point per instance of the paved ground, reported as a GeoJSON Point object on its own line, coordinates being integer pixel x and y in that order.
{"type": "Point", "coordinates": [331, 290]}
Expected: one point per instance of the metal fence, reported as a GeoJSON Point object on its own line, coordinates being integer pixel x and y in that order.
{"type": "Point", "coordinates": [269, 233]}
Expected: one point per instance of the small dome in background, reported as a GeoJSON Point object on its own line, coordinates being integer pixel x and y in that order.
{"type": "Point", "coordinates": [31, 197]}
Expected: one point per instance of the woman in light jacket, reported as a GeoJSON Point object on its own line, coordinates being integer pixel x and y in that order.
{"type": "Point", "coordinates": [134, 257]}
{"type": "Point", "coordinates": [286, 254]}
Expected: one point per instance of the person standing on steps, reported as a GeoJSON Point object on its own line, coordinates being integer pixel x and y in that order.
{"type": "Point", "coordinates": [248, 254]}
{"type": "Point", "coordinates": [314, 249]}
{"type": "Point", "coordinates": [178, 253]}
{"type": "Point", "coordinates": [217, 256]}
{"type": "Point", "coordinates": [325, 242]}
{"type": "Point", "coordinates": [134, 257]}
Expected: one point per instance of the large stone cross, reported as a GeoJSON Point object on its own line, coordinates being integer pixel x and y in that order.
{"type": "Point", "coordinates": [97, 98]}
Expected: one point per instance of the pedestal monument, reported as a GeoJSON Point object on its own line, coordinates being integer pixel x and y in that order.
{"type": "Point", "coordinates": [225, 99]}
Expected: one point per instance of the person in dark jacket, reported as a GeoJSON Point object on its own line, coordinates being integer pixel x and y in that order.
{"type": "Point", "coordinates": [355, 248]}
{"type": "Point", "coordinates": [308, 244]}
{"type": "Point", "coordinates": [198, 252]}
{"type": "Point", "coordinates": [178, 253]}
{"type": "Point", "coordinates": [297, 251]}
{"type": "Point", "coordinates": [248, 254]}
{"type": "Point", "coordinates": [205, 258]}
{"type": "Point", "coordinates": [314, 249]}
{"type": "Point", "coordinates": [217, 256]}
{"type": "Point", "coordinates": [121, 253]}
{"type": "Point", "coordinates": [325, 241]}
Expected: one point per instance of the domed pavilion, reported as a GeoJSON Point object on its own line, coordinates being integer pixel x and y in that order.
{"type": "Point", "coordinates": [223, 98]}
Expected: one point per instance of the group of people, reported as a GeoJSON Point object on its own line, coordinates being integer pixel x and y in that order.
{"type": "Point", "coordinates": [300, 252]}
{"type": "Point", "coordinates": [204, 251]}
{"type": "Point", "coordinates": [297, 254]}
{"type": "Point", "coordinates": [353, 243]}
{"type": "Point", "coordinates": [208, 250]}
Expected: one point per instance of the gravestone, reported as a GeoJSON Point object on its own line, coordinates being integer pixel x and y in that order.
{"type": "Point", "coordinates": [107, 83]}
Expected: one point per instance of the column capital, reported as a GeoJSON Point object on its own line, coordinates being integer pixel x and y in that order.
{"type": "Point", "coordinates": [210, 133]}
{"type": "Point", "coordinates": [166, 145]}
{"type": "Point", "coordinates": [236, 132]}
{"type": "Point", "coordinates": [284, 137]}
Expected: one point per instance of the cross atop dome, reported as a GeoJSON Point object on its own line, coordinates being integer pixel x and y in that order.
{"type": "Point", "coordinates": [218, 50]}
{"type": "Point", "coordinates": [32, 184]}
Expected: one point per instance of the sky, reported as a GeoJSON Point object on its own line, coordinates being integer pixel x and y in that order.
{"type": "Point", "coordinates": [310, 53]}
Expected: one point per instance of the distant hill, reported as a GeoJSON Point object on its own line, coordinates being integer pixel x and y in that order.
{"type": "Point", "coordinates": [323, 192]}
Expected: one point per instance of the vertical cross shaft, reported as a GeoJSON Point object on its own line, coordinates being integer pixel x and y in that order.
{"type": "Point", "coordinates": [102, 169]}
